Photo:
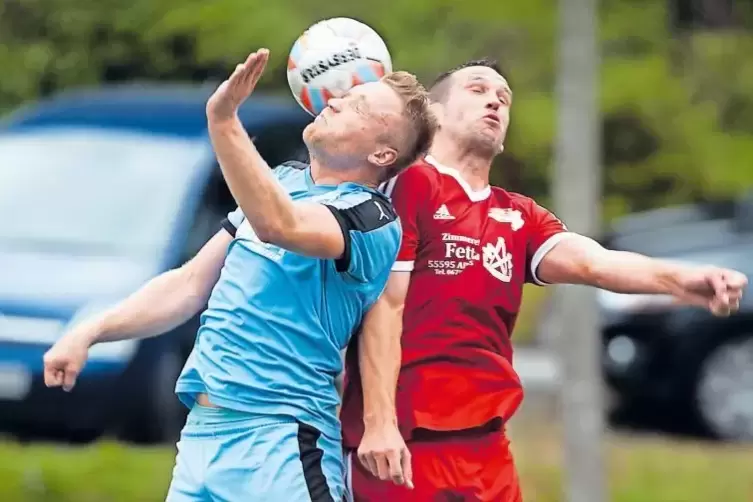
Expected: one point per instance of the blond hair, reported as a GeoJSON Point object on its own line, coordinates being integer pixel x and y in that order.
{"type": "Point", "coordinates": [421, 124]}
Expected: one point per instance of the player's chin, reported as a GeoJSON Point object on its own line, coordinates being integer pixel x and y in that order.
{"type": "Point", "coordinates": [488, 141]}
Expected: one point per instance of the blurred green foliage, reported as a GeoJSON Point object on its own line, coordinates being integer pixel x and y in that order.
{"type": "Point", "coordinates": [677, 107]}
{"type": "Point", "coordinates": [647, 470]}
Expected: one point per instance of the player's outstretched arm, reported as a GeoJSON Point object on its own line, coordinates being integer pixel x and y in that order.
{"type": "Point", "coordinates": [306, 228]}
{"type": "Point", "coordinates": [382, 449]}
{"type": "Point", "coordinates": [164, 303]}
{"type": "Point", "coordinates": [168, 300]}
{"type": "Point", "coordinates": [581, 260]}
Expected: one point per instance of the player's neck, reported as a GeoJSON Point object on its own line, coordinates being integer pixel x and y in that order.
{"type": "Point", "coordinates": [474, 168]}
{"type": "Point", "coordinates": [324, 174]}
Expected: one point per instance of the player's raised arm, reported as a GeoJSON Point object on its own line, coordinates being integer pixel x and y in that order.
{"type": "Point", "coordinates": [306, 228]}
{"type": "Point", "coordinates": [581, 260]}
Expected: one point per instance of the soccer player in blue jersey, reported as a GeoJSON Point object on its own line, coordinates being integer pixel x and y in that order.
{"type": "Point", "coordinates": [288, 280]}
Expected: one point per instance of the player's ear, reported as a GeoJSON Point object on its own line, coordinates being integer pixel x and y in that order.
{"type": "Point", "coordinates": [383, 157]}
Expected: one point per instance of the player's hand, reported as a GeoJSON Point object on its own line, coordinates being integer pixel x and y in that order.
{"type": "Point", "coordinates": [65, 360]}
{"type": "Point", "coordinates": [717, 289]}
{"type": "Point", "coordinates": [384, 453]}
{"type": "Point", "coordinates": [231, 94]}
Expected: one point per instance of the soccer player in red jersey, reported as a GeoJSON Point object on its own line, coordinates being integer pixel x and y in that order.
{"type": "Point", "coordinates": [454, 294]}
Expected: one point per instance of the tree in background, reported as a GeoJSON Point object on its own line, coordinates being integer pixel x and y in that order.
{"type": "Point", "coordinates": [676, 97]}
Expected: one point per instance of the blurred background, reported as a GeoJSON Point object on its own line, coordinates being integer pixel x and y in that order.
{"type": "Point", "coordinates": [107, 179]}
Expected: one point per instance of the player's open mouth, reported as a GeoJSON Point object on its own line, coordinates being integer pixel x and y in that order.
{"type": "Point", "coordinates": [492, 117]}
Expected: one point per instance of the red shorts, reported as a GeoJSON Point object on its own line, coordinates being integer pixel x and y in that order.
{"type": "Point", "coordinates": [448, 468]}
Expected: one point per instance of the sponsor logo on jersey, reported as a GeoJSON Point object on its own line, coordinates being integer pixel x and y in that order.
{"type": "Point", "coordinates": [461, 252]}
{"type": "Point", "coordinates": [320, 67]}
{"type": "Point", "coordinates": [459, 238]}
{"type": "Point", "coordinates": [443, 213]}
{"type": "Point", "coordinates": [382, 214]}
{"type": "Point", "coordinates": [497, 260]}
{"type": "Point", "coordinates": [511, 216]}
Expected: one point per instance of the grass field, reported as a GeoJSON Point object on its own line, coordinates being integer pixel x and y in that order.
{"type": "Point", "coordinates": [641, 470]}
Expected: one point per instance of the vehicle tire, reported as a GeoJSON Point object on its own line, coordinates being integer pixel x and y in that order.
{"type": "Point", "coordinates": [723, 391]}
{"type": "Point", "coordinates": [161, 415]}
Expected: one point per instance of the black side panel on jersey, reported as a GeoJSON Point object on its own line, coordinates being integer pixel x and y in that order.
{"type": "Point", "coordinates": [228, 225]}
{"type": "Point", "coordinates": [295, 164]}
{"type": "Point", "coordinates": [366, 216]}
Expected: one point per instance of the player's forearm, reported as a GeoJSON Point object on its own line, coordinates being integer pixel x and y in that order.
{"type": "Point", "coordinates": [625, 272]}
{"type": "Point", "coordinates": [162, 304]}
{"type": "Point", "coordinates": [581, 260]}
{"type": "Point", "coordinates": [379, 359]}
{"type": "Point", "coordinates": [270, 211]}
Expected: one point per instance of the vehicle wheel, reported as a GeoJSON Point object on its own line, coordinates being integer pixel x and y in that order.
{"type": "Point", "coordinates": [161, 415]}
{"type": "Point", "coordinates": [723, 395]}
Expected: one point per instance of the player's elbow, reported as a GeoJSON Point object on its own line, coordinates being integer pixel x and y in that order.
{"type": "Point", "coordinates": [387, 311]}
{"type": "Point", "coordinates": [305, 235]}
{"type": "Point", "coordinates": [395, 307]}
{"type": "Point", "coordinates": [279, 231]}
{"type": "Point", "coordinates": [599, 270]}
{"type": "Point", "coordinates": [271, 234]}
{"type": "Point", "coordinates": [193, 288]}
{"type": "Point", "coordinates": [578, 260]}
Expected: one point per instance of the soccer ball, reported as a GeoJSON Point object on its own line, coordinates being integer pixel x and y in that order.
{"type": "Point", "coordinates": [331, 57]}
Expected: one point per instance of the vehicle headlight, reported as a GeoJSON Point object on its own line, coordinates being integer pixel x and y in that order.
{"type": "Point", "coordinates": [24, 329]}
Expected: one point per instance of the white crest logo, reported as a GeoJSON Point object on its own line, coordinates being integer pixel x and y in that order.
{"type": "Point", "coordinates": [511, 216]}
{"type": "Point", "coordinates": [498, 261]}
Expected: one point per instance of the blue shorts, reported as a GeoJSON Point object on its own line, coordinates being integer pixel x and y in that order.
{"type": "Point", "coordinates": [228, 456]}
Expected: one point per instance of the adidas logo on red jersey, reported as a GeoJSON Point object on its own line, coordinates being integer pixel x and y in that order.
{"type": "Point", "coordinates": [443, 214]}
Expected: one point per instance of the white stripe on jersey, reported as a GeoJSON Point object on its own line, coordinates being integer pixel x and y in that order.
{"type": "Point", "coordinates": [388, 186]}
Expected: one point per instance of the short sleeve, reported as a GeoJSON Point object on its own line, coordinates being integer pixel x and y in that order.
{"type": "Point", "coordinates": [234, 219]}
{"type": "Point", "coordinates": [372, 233]}
{"type": "Point", "coordinates": [409, 192]}
{"type": "Point", "coordinates": [544, 232]}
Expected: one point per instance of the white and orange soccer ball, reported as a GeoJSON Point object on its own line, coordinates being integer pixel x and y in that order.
{"type": "Point", "coordinates": [331, 57]}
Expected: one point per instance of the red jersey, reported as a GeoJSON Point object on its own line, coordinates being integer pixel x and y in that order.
{"type": "Point", "coordinates": [469, 254]}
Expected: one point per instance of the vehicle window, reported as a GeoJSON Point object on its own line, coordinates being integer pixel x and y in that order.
{"type": "Point", "coordinates": [276, 144]}
{"type": "Point", "coordinates": [216, 203]}
{"type": "Point", "coordinates": [676, 239]}
{"type": "Point", "coordinates": [94, 190]}
{"type": "Point", "coordinates": [281, 143]}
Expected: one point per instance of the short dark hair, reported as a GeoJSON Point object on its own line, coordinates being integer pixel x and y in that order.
{"type": "Point", "coordinates": [438, 89]}
{"type": "Point", "coordinates": [421, 124]}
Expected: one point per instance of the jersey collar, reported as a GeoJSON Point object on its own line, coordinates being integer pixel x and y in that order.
{"type": "Point", "coordinates": [474, 195]}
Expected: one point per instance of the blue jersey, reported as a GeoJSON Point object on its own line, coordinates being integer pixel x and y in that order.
{"type": "Point", "coordinates": [276, 323]}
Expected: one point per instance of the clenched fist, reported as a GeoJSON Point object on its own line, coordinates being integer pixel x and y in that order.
{"type": "Point", "coordinates": [717, 289]}
{"type": "Point", "coordinates": [384, 453]}
{"type": "Point", "coordinates": [65, 360]}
